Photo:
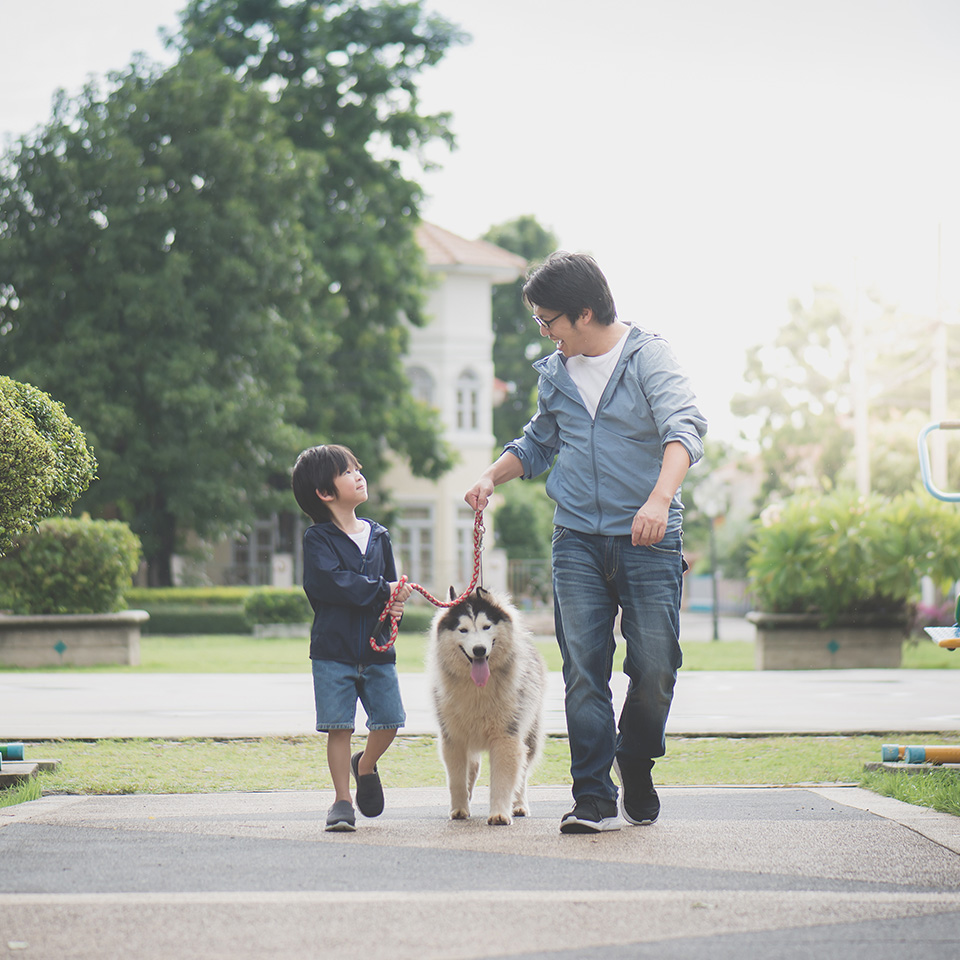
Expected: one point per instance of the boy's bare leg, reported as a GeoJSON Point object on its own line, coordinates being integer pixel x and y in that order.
{"type": "Point", "coordinates": [376, 747]}
{"type": "Point", "coordinates": [338, 760]}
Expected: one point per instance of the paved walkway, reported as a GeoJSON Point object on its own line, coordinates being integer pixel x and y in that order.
{"type": "Point", "coordinates": [830, 872]}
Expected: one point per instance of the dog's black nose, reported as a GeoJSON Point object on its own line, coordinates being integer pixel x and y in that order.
{"type": "Point", "coordinates": [479, 652]}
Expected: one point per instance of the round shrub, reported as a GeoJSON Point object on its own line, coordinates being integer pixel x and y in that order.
{"type": "Point", "coordinates": [71, 566]}
{"type": "Point", "coordinates": [277, 605]}
{"type": "Point", "coordinates": [45, 464]}
{"type": "Point", "coordinates": [841, 555]}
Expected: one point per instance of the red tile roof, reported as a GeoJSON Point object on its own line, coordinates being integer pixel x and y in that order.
{"type": "Point", "coordinates": [443, 248]}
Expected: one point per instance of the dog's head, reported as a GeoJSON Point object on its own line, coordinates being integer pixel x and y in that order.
{"type": "Point", "coordinates": [474, 625]}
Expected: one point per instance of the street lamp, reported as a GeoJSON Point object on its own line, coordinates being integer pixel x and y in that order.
{"type": "Point", "coordinates": [710, 496]}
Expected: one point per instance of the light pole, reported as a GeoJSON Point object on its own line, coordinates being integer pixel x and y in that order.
{"type": "Point", "coordinates": [710, 496]}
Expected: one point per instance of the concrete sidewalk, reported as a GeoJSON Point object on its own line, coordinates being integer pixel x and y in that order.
{"type": "Point", "coordinates": [45, 705]}
{"type": "Point", "coordinates": [41, 705]}
{"type": "Point", "coordinates": [726, 873]}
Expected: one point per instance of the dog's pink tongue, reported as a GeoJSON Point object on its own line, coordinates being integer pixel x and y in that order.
{"type": "Point", "coordinates": [480, 672]}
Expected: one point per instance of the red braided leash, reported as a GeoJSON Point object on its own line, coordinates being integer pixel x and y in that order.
{"type": "Point", "coordinates": [395, 621]}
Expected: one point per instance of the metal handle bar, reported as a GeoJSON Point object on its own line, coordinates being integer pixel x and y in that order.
{"type": "Point", "coordinates": [925, 459]}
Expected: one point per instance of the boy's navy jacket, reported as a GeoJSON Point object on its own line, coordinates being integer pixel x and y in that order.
{"type": "Point", "coordinates": [348, 591]}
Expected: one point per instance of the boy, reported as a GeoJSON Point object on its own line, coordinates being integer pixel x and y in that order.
{"type": "Point", "coordinates": [349, 574]}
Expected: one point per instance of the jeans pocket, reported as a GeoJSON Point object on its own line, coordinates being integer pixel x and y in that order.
{"type": "Point", "coordinates": [558, 534]}
{"type": "Point", "coordinates": [666, 550]}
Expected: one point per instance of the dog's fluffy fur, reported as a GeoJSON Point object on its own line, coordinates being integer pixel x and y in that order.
{"type": "Point", "coordinates": [488, 682]}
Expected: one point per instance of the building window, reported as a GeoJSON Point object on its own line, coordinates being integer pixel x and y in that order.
{"type": "Point", "coordinates": [468, 401]}
{"type": "Point", "coordinates": [415, 543]}
{"type": "Point", "coordinates": [421, 384]}
{"type": "Point", "coordinates": [253, 555]}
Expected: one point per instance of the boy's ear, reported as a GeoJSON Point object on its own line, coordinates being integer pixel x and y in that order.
{"type": "Point", "coordinates": [326, 497]}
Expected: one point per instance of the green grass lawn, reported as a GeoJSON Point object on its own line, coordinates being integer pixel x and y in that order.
{"type": "Point", "coordinates": [299, 763]}
{"type": "Point", "coordinates": [242, 653]}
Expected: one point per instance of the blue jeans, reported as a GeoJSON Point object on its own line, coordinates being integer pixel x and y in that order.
{"type": "Point", "coordinates": [594, 577]}
{"type": "Point", "coordinates": [337, 687]}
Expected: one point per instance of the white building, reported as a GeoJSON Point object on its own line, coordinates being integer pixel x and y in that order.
{"type": "Point", "coordinates": [450, 364]}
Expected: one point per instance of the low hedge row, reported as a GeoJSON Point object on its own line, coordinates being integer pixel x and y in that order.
{"type": "Point", "coordinates": [212, 610]}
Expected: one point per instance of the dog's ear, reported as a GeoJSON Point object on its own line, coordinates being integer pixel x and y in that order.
{"type": "Point", "coordinates": [482, 593]}
{"type": "Point", "coordinates": [453, 593]}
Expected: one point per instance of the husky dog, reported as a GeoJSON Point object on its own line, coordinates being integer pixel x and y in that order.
{"type": "Point", "coordinates": [488, 682]}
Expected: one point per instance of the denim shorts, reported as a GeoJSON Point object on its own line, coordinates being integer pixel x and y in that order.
{"type": "Point", "coordinates": [338, 686]}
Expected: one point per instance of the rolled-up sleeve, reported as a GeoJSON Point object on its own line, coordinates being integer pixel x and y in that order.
{"type": "Point", "coordinates": [673, 401]}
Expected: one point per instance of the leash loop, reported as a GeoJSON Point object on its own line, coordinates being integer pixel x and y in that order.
{"type": "Point", "coordinates": [478, 530]}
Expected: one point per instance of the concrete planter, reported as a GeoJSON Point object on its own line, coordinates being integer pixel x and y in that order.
{"type": "Point", "coordinates": [794, 641]}
{"type": "Point", "coordinates": [76, 640]}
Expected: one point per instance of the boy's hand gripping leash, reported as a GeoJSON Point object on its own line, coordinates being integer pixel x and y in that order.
{"type": "Point", "coordinates": [395, 621]}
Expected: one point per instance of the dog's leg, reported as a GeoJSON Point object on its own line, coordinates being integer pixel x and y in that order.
{"type": "Point", "coordinates": [532, 746]}
{"type": "Point", "coordinates": [506, 758]}
{"type": "Point", "coordinates": [473, 773]}
{"type": "Point", "coordinates": [521, 808]}
{"type": "Point", "coordinates": [455, 760]}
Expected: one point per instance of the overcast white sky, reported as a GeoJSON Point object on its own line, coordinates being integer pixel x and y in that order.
{"type": "Point", "coordinates": [716, 158]}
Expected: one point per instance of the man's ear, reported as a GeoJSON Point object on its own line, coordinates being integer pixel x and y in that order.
{"type": "Point", "coordinates": [586, 315]}
{"type": "Point", "coordinates": [325, 497]}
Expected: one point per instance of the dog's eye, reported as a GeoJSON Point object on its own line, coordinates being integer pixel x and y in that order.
{"type": "Point", "coordinates": [487, 626]}
{"type": "Point", "coordinates": [464, 630]}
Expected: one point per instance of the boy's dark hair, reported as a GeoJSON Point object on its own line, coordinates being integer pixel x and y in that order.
{"type": "Point", "coordinates": [569, 283]}
{"type": "Point", "coordinates": [317, 468]}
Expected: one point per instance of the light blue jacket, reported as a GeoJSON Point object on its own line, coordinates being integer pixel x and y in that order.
{"type": "Point", "coordinates": [606, 467]}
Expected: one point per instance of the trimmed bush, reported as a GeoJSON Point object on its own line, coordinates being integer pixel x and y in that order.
{"type": "Point", "coordinates": [189, 620]}
{"type": "Point", "coordinates": [840, 555]}
{"type": "Point", "coordinates": [71, 566]}
{"type": "Point", "coordinates": [278, 605]}
{"type": "Point", "coordinates": [45, 463]}
{"type": "Point", "coordinates": [149, 598]}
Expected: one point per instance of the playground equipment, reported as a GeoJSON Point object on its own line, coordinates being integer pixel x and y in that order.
{"type": "Point", "coordinates": [894, 752]}
{"type": "Point", "coordinates": [947, 637]}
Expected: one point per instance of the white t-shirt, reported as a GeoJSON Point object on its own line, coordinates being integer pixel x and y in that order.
{"type": "Point", "coordinates": [592, 374]}
{"type": "Point", "coordinates": [362, 538]}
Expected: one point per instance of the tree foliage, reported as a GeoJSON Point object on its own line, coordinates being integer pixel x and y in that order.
{"type": "Point", "coordinates": [213, 265]}
{"type": "Point", "coordinates": [799, 390]}
{"type": "Point", "coordinates": [343, 81]}
{"type": "Point", "coordinates": [517, 340]}
{"type": "Point", "coordinates": [45, 463]}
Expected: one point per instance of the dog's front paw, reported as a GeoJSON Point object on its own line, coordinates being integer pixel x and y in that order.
{"type": "Point", "coordinates": [499, 819]}
{"type": "Point", "coordinates": [460, 813]}
{"type": "Point", "coordinates": [521, 810]}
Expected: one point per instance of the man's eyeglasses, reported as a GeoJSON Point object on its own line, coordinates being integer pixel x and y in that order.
{"type": "Point", "coordinates": [545, 324]}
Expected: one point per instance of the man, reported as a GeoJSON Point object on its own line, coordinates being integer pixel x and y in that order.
{"type": "Point", "coordinates": [619, 423]}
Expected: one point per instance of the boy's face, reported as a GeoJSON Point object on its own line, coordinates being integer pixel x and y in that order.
{"type": "Point", "coordinates": [350, 488]}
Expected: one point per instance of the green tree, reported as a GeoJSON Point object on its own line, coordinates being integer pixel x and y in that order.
{"type": "Point", "coordinates": [216, 265]}
{"type": "Point", "coordinates": [343, 80]}
{"type": "Point", "coordinates": [151, 239]}
{"type": "Point", "coordinates": [45, 463]}
{"type": "Point", "coordinates": [517, 340]}
{"type": "Point", "coordinates": [799, 389]}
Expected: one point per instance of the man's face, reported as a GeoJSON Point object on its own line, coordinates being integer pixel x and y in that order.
{"type": "Point", "coordinates": [557, 326]}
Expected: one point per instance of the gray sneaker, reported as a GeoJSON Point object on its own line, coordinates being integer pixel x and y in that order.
{"type": "Point", "coordinates": [341, 817]}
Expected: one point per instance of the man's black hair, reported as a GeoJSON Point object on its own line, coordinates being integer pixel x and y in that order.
{"type": "Point", "coordinates": [568, 283]}
{"type": "Point", "coordinates": [317, 468]}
